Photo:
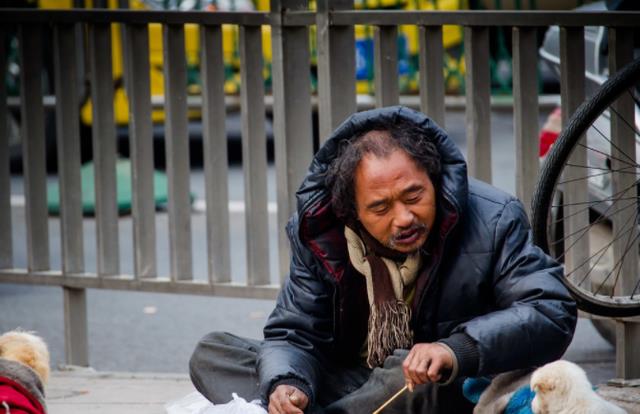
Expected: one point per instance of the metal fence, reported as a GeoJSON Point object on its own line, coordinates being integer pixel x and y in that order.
{"type": "Point", "coordinates": [292, 111]}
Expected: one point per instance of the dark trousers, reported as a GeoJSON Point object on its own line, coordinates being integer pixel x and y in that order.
{"type": "Point", "coordinates": [223, 363]}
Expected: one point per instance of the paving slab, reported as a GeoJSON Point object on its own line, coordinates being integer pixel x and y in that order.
{"type": "Point", "coordinates": [88, 391]}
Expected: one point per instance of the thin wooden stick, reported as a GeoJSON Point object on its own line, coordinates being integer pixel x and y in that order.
{"type": "Point", "coordinates": [390, 400]}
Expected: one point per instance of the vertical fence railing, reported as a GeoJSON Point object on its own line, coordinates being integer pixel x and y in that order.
{"type": "Point", "coordinates": [386, 66]}
{"type": "Point", "coordinates": [624, 186]}
{"type": "Point", "coordinates": [140, 135]}
{"type": "Point", "coordinates": [33, 145]}
{"type": "Point", "coordinates": [104, 150]}
{"type": "Point", "coordinates": [292, 125]}
{"type": "Point", "coordinates": [572, 95]}
{"type": "Point", "coordinates": [215, 154]}
{"type": "Point", "coordinates": [68, 141]}
{"type": "Point", "coordinates": [254, 155]}
{"type": "Point", "coordinates": [6, 231]}
{"type": "Point", "coordinates": [431, 76]}
{"type": "Point", "coordinates": [478, 92]}
{"type": "Point", "coordinates": [177, 151]}
{"type": "Point", "coordinates": [336, 93]}
{"type": "Point", "coordinates": [525, 111]}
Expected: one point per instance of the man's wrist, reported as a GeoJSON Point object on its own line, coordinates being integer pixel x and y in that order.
{"type": "Point", "coordinates": [294, 382]}
{"type": "Point", "coordinates": [466, 354]}
{"type": "Point", "coordinates": [454, 365]}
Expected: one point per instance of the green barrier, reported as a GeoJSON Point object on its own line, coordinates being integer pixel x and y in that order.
{"type": "Point", "coordinates": [123, 185]}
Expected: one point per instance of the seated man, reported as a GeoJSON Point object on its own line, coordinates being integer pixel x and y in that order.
{"type": "Point", "coordinates": [403, 271]}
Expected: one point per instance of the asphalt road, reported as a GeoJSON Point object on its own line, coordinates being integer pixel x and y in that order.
{"type": "Point", "coordinates": [144, 332]}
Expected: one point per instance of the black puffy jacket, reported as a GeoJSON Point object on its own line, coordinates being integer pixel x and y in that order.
{"type": "Point", "coordinates": [487, 279]}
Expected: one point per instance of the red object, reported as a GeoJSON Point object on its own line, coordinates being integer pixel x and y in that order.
{"type": "Point", "coordinates": [547, 138]}
{"type": "Point", "coordinates": [17, 398]}
{"type": "Point", "coordinates": [550, 132]}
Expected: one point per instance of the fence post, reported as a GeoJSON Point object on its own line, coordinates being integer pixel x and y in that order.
{"type": "Point", "coordinates": [478, 91]}
{"type": "Point", "coordinates": [431, 76]}
{"type": "Point", "coordinates": [336, 68]}
{"type": "Point", "coordinates": [292, 126]}
{"type": "Point", "coordinates": [525, 111]}
{"type": "Point", "coordinates": [623, 142]}
{"type": "Point", "coordinates": [386, 66]}
{"type": "Point", "coordinates": [572, 94]}
{"type": "Point", "coordinates": [75, 327]}
{"type": "Point", "coordinates": [6, 247]}
{"type": "Point", "coordinates": [33, 145]}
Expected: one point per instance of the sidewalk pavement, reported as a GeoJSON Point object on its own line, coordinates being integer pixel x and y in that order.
{"type": "Point", "coordinates": [83, 390]}
{"type": "Point", "coordinates": [80, 391]}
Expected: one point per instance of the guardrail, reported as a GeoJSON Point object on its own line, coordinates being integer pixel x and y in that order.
{"type": "Point", "coordinates": [292, 112]}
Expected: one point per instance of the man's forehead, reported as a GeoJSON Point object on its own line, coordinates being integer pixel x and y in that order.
{"type": "Point", "coordinates": [376, 134]}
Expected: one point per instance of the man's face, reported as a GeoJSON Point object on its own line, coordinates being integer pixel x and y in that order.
{"type": "Point", "coordinates": [395, 200]}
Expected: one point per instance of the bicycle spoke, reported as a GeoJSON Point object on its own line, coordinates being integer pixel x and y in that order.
{"type": "Point", "coordinates": [600, 251]}
{"type": "Point", "coordinates": [592, 167]}
{"type": "Point", "coordinates": [612, 144]}
{"type": "Point", "coordinates": [626, 122]}
{"type": "Point", "coordinates": [629, 247]}
{"type": "Point", "coordinates": [607, 155]}
{"type": "Point", "coordinates": [604, 213]}
{"type": "Point", "coordinates": [635, 289]}
{"type": "Point", "coordinates": [619, 264]}
{"type": "Point", "coordinates": [586, 177]}
{"type": "Point", "coordinates": [599, 220]}
{"type": "Point", "coordinates": [630, 244]}
{"type": "Point", "coordinates": [581, 203]}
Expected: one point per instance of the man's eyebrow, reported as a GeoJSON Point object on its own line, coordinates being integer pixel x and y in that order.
{"type": "Point", "coordinates": [412, 188]}
{"type": "Point", "coordinates": [376, 203]}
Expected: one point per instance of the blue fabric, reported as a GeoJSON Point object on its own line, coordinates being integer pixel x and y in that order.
{"type": "Point", "coordinates": [520, 402]}
{"type": "Point", "coordinates": [472, 388]}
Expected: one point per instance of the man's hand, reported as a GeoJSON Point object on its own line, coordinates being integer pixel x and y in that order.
{"type": "Point", "coordinates": [286, 399]}
{"type": "Point", "coordinates": [426, 363]}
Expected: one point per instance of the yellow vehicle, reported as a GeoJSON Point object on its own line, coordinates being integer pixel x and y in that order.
{"type": "Point", "coordinates": [409, 48]}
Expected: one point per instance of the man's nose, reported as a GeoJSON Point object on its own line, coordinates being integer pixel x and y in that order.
{"type": "Point", "coordinates": [403, 217]}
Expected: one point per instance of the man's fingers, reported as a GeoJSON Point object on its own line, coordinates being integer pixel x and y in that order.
{"type": "Point", "coordinates": [281, 404]}
{"type": "Point", "coordinates": [421, 371]}
{"type": "Point", "coordinates": [299, 399]}
{"type": "Point", "coordinates": [434, 373]}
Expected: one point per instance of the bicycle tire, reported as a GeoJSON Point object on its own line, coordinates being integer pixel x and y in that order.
{"type": "Point", "coordinates": [552, 169]}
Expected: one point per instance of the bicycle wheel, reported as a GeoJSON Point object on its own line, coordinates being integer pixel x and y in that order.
{"type": "Point", "coordinates": [586, 209]}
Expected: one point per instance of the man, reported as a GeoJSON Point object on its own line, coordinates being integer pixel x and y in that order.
{"type": "Point", "coordinates": [403, 271]}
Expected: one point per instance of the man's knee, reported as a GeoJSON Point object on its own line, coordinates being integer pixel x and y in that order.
{"type": "Point", "coordinates": [203, 353]}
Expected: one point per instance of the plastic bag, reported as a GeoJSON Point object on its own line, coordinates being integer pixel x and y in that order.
{"type": "Point", "coordinates": [196, 403]}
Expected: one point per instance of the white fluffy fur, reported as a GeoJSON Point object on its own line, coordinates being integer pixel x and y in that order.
{"type": "Point", "coordinates": [562, 387]}
{"type": "Point", "coordinates": [28, 349]}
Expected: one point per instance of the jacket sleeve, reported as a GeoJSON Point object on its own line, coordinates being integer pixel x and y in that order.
{"type": "Point", "coordinates": [299, 331]}
{"type": "Point", "coordinates": [535, 316]}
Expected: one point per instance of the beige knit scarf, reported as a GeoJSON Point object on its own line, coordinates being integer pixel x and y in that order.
{"type": "Point", "coordinates": [386, 279]}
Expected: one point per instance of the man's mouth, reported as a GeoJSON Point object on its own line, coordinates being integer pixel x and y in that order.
{"type": "Point", "coordinates": [409, 236]}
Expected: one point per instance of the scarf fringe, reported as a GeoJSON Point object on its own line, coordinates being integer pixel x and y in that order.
{"type": "Point", "coordinates": [388, 330]}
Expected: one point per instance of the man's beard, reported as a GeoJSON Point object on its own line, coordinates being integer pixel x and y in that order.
{"type": "Point", "coordinates": [418, 227]}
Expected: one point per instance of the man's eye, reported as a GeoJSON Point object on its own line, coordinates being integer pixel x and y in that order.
{"type": "Point", "coordinates": [413, 199]}
{"type": "Point", "coordinates": [380, 209]}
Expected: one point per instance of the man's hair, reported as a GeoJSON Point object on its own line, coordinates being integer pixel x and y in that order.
{"type": "Point", "coordinates": [392, 136]}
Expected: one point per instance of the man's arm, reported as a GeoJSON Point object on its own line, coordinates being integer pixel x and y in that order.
{"type": "Point", "coordinates": [535, 316]}
{"type": "Point", "coordinates": [299, 330]}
